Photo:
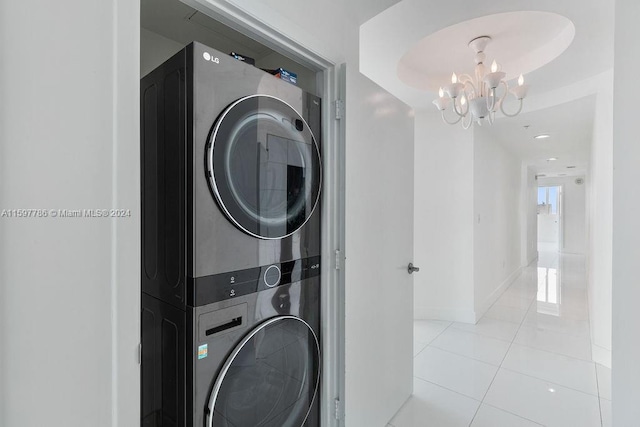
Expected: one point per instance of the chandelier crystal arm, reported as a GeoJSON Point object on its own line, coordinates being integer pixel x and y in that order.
{"type": "Point", "coordinates": [460, 113]}
{"type": "Point", "coordinates": [492, 96]}
{"type": "Point", "coordinates": [502, 103]}
{"type": "Point", "coordinates": [447, 121]}
{"type": "Point", "coordinates": [514, 114]}
{"type": "Point", "coordinates": [499, 100]}
{"type": "Point", "coordinates": [474, 90]}
{"type": "Point", "coordinates": [466, 79]}
{"type": "Point", "coordinates": [468, 125]}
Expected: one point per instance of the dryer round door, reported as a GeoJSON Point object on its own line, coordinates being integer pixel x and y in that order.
{"type": "Point", "coordinates": [263, 166]}
{"type": "Point", "coordinates": [270, 379]}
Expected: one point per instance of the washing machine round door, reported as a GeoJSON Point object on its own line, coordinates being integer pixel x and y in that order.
{"type": "Point", "coordinates": [270, 379]}
{"type": "Point", "coordinates": [263, 165]}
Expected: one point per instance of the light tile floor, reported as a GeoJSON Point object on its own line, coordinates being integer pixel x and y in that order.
{"type": "Point", "coordinates": [527, 362]}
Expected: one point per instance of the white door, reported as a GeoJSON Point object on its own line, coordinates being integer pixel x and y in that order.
{"type": "Point", "coordinates": [379, 246]}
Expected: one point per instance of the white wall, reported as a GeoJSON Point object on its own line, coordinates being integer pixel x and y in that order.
{"type": "Point", "coordinates": [443, 246]}
{"type": "Point", "coordinates": [469, 200]}
{"type": "Point", "coordinates": [626, 205]}
{"type": "Point", "coordinates": [70, 286]}
{"type": "Point", "coordinates": [497, 219]}
{"type": "Point", "coordinates": [574, 209]}
{"type": "Point", "coordinates": [529, 216]}
{"type": "Point", "coordinates": [600, 181]}
{"type": "Point", "coordinates": [155, 49]}
{"type": "Point", "coordinates": [549, 229]}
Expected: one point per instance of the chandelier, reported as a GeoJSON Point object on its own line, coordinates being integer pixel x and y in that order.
{"type": "Point", "coordinates": [476, 99]}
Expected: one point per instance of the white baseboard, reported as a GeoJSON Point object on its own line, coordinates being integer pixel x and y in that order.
{"type": "Point", "coordinates": [463, 315]}
{"type": "Point", "coordinates": [601, 355]}
{"type": "Point", "coordinates": [488, 302]}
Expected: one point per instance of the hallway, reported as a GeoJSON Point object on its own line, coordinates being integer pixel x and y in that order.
{"type": "Point", "coordinates": [527, 362]}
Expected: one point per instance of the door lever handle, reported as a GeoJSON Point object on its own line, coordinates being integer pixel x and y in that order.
{"type": "Point", "coordinates": [411, 268]}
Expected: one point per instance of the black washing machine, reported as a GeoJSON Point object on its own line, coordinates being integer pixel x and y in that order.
{"type": "Point", "coordinates": [231, 182]}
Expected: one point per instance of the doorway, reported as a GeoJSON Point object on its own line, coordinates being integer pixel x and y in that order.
{"type": "Point", "coordinates": [550, 218]}
{"type": "Point", "coordinates": [166, 26]}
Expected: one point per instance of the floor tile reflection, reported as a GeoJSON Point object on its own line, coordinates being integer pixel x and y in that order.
{"type": "Point", "coordinates": [526, 363]}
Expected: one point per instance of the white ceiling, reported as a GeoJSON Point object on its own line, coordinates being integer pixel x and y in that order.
{"type": "Point", "coordinates": [363, 10]}
{"type": "Point", "coordinates": [385, 38]}
{"type": "Point", "coordinates": [570, 126]}
{"type": "Point", "coordinates": [182, 23]}
{"type": "Point", "coordinates": [521, 42]}
{"type": "Point", "coordinates": [179, 21]}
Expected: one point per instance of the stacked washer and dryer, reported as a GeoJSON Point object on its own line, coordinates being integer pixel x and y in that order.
{"type": "Point", "coordinates": [231, 180]}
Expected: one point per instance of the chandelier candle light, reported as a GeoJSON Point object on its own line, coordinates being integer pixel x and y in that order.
{"type": "Point", "coordinates": [477, 99]}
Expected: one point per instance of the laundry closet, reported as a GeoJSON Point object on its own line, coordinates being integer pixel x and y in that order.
{"type": "Point", "coordinates": [231, 179]}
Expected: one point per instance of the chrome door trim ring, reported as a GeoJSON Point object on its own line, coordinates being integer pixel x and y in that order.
{"type": "Point", "coordinates": [223, 372]}
{"type": "Point", "coordinates": [211, 176]}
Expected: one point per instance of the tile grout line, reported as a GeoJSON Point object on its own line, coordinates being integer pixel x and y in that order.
{"type": "Point", "coordinates": [550, 382]}
{"type": "Point", "coordinates": [429, 342]}
{"type": "Point", "coordinates": [504, 357]}
{"type": "Point", "coordinates": [438, 385]}
{"type": "Point", "coordinates": [434, 338]}
{"type": "Point", "coordinates": [448, 389]}
{"type": "Point", "coordinates": [493, 406]}
{"type": "Point", "coordinates": [599, 398]}
{"type": "Point", "coordinates": [595, 365]}
{"type": "Point", "coordinates": [512, 413]}
{"type": "Point", "coordinates": [464, 356]}
{"type": "Point", "coordinates": [485, 335]}
{"type": "Point", "coordinates": [476, 400]}
{"type": "Point", "coordinates": [520, 344]}
{"type": "Point", "coordinates": [516, 371]}
{"type": "Point", "coordinates": [414, 376]}
{"type": "Point", "coordinates": [554, 352]}
{"type": "Point", "coordinates": [464, 331]}
{"type": "Point", "coordinates": [545, 329]}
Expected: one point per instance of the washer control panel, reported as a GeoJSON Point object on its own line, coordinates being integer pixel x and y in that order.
{"type": "Point", "coordinates": [219, 287]}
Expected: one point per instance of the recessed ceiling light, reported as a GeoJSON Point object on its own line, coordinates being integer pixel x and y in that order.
{"type": "Point", "coordinates": [571, 167]}
{"type": "Point", "coordinates": [551, 159]}
{"type": "Point", "coordinates": [542, 136]}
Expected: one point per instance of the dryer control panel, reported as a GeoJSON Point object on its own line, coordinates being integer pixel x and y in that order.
{"type": "Point", "coordinates": [219, 287]}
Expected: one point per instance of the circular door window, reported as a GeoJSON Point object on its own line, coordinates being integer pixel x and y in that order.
{"type": "Point", "coordinates": [263, 165]}
{"type": "Point", "coordinates": [270, 379]}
